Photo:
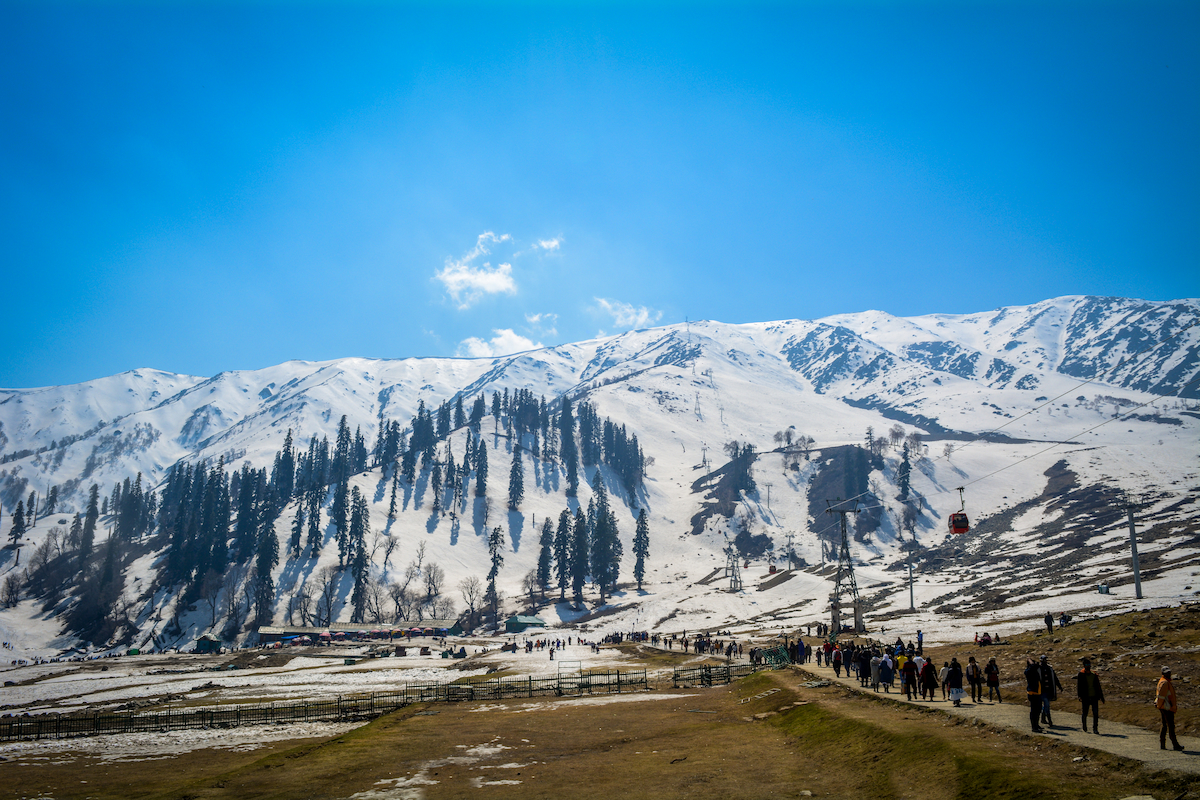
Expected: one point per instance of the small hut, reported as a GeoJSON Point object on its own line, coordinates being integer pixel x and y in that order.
{"type": "Point", "coordinates": [518, 623]}
{"type": "Point", "coordinates": [208, 643]}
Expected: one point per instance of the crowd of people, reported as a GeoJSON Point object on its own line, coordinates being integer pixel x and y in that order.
{"type": "Point", "coordinates": [880, 667]}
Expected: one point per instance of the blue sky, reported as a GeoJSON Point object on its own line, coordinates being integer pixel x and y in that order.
{"type": "Point", "coordinates": [207, 186]}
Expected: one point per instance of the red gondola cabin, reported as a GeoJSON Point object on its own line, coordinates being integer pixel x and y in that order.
{"type": "Point", "coordinates": [958, 523]}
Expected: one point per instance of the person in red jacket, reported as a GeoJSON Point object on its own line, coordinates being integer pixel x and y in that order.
{"type": "Point", "coordinates": [1087, 687]}
{"type": "Point", "coordinates": [1164, 698]}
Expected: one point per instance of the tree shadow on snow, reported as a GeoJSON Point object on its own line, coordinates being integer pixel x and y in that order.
{"type": "Point", "coordinates": [516, 528]}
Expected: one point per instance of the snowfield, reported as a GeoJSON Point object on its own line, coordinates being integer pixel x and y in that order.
{"type": "Point", "coordinates": [1004, 402]}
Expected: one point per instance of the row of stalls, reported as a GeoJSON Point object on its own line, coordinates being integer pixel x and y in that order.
{"type": "Point", "coordinates": [301, 636]}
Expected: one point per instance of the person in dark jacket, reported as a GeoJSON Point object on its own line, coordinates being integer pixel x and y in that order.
{"type": "Point", "coordinates": [954, 680]}
{"type": "Point", "coordinates": [975, 679]}
{"type": "Point", "coordinates": [1087, 686]}
{"type": "Point", "coordinates": [929, 681]}
{"type": "Point", "coordinates": [991, 674]}
{"type": "Point", "coordinates": [908, 677]}
{"type": "Point", "coordinates": [1050, 689]}
{"type": "Point", "coordinates": [1033, 688]}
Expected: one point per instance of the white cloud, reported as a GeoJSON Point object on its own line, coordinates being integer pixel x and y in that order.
{"type": "Point", "coordinates": [627, 316]}
{"type": "Point", "coordinates": [504, 343]}
{"type": "Point", "coordinates": [544, 323]}
{"type": "Point", "coordinates": [466, 283]}
{"type": "Point", "coordinates": [548, 244]}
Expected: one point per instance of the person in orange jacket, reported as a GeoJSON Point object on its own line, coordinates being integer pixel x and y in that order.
{"type": "Point", "coordinates": [1164, 699]}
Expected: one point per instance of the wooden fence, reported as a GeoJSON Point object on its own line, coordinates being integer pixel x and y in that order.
{"type": "Point", "coordinates": [344, 708]}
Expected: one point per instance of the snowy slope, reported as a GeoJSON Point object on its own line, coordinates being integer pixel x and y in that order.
{"type": "Point", "coordinates": [1062, 380]}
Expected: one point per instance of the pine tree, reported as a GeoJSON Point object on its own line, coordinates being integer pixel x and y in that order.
{"type": "Point", "coordinates": [496, 552]}
{"type": "Point", "coordinates": [314, 522]}
{"type": "Point", "coordinates": [360, 529]}
{"type": "Point", "coordinates": [641, 547]}
{"type": "Point", "coordinates": [904, 474]}
{"type": "Point", "coordinates": [567, 449]}
{"type": "Point", "coordinates": [545, 555]}
{"type": "Point", "coordinates": [297, 530]}
{"type": "Point", "coordinates": [89, 524]}
{"type": "Point", "coordinates": [341, 519]}
{"type": "Point", "coordinates": [435, 485]}
{"type": "Point", "coordinates": [605, 541]}
{"type": "Point", "coordinates": [18, 523]}
{"type": "Point", "coordinates": [408, 465]}
{"type": "Point", "coordinates": [392, 505]}
{"type": "Point", "coordinates": [267, 558]}
{"type": "Point", "coordinates": [579, 555]}
{"type": "Point", "coordinates": [481, 470]}
{"type": "Point", "coordinates": [460, 418]}
{"type": "Point", "coordinates": [562, 553]}
{"type": "Point", "coordinates": [75, 536]}
{"type": "Point", "coordinates": [516, 481]}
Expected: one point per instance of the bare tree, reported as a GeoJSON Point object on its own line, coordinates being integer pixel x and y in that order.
{"type": "Point", "coordinates": [210, 593]}
{"type": "Point", "coordinates": [230, 586]}
{"type": "Point", "coordinates": [303, 601]}
{"type": "Point", "coordinates": [376, 601]}
{"type": "Point", "coordinates": [443, 608]}
{"type": "Point", "coordinates": [434, 576]}
{"type": "Point", "coordinates": [471, 589]}
{"type": "Point", "coordinates": [948, 450]}
{"type": "Point", "coordinates": [530, 585]}
{"type": "Point", "coordinates": [327, 586]}
{"type": "Point", "coordinates": [56, 538]}
{"type": "Point", "coordinates": [11, 593]}
{"type": "Point", "coordinates": [389, 547]}
{"type": "Point", "coordinates": [789, 435]}
{"type": "Point", "coordinates": [805, 443]}
{"type": "Point", "coordinates": [896, 435]}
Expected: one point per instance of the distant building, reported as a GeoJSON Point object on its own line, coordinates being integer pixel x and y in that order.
{"type": "Point", "coordinates": [208, 643]}
{"type": "Point", "coordinates": [518, 623]}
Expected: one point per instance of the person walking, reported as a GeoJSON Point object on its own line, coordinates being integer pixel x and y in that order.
{"type": "Point", "coordinates": [1087, 686]}
{"type": "Point", "coordinates": [886, 673]}
{"type": "Point", "coordinates": [991, 674]}
{"type": "Point", "coordinates": [1049, 620]}
{"type": "Point", "coordinates": [1168, 704]}
{"type": "Point", "coordinates": [929, 681]}
{"type": "Point", "coordinates": [908, 677]}
{"type": "Point", "coordinates": [875, 661]}
{"type": "Point", "coordinates": [1033, 688]}
{"type": "Point", "coordinates": [837, 663]}
{"type": "Point", "coordinates": [1050, 689]}
{"type": "Point", "coordinates": [975, 679]}
{"type": "Point", "coordinates": [943, 673]}
{"type": "Point", "coordinates": [954, 678]}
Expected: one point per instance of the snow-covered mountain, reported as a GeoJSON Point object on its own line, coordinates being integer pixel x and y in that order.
{"type": "Point", "coordinates": [1022, 406]}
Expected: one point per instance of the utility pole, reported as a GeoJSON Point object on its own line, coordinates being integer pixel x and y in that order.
{"type": "Point", "coordinates": [791, 551]}
{"type": "Point", "coordinates": [844, 582]}
{"type": "Point", "coordinates": [1137, 572]}
{"type": "Point", "coordinates": [768, 485]}
{"type": "Point", "coordinates": [912, 606]}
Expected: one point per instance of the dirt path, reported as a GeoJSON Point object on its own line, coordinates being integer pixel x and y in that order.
{"type": "Point", "coordinates": [1119, 739]}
